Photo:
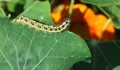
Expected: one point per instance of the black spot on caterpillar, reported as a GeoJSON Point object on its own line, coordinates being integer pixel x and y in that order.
{"type": "Point", "coordinates": [41, 26]}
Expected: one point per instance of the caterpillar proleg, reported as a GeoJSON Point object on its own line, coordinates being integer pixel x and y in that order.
{"type": "Point", "coordinates": [41, 26]}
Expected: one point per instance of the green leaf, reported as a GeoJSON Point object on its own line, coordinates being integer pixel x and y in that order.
{"type": "Point", "coordinates": [28, 3]}
{"type": "Point", "coordinates": [116, 23]}
{"type": "Point", "coordinates": [24, 48]}
{"type": "Point", "coordinates": [2, 13]}
{"type": "Point", "coordinates": [99, 2]}
{"type": "Point", "coordinates": [117, 67]}
{"type": "Point", "coordinates": [12, 5]}
{"type": "Point", "coordinates": [39, 11]}
{"type": "Point", "coordinates": [113, 11]}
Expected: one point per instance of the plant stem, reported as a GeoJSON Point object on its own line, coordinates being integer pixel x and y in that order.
{"type": "Point", "coordinates": [70, 8]}
{"type": "Point", "coordinates": [105, 26]}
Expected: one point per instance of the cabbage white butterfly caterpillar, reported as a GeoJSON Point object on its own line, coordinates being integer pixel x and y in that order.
{"type": "Point", "coordinates": [42, 27]}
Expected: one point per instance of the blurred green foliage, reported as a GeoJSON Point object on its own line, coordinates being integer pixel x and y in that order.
{"type": "Point", "coordinates": [105, 55]}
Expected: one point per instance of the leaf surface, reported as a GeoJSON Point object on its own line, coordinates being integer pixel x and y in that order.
{"type": "Point", "coordinates": [100, 2]}
{"type": "Point", "coordinates": [24, 48]}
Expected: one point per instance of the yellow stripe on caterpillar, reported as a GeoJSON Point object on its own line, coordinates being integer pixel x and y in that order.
{"type": "Point", "coordinates": [42, 27]}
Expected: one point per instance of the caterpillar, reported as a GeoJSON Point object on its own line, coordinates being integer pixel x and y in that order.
{"type": "Point", "coordinates": [41, 26]}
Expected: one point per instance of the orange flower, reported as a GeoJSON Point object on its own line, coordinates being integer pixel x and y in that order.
{"type": "Point", "coordinates": [93, 26]}
{"type": "Point", "coordinates": [96, 28]}
{"type": "Point", "coordinates": [59, 14]}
